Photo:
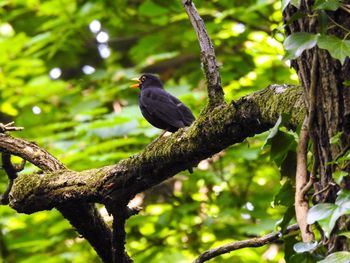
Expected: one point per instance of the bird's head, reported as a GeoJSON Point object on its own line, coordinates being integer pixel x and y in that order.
{"type": "Point", "coordinates": [147, 80]}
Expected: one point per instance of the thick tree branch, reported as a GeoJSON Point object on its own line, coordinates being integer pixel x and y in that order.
{"type": "Point", "coordinates": [211, 133]}
{"type": "Point", "coordinates": [254, 242]}
{"type": "Point", "coordinates": [211, 69]}
{"type": "Point", "coordinates": [83, 217]}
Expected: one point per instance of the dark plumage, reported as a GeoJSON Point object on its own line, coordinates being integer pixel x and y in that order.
{"type": "Point", "coordinates": [160, 108]}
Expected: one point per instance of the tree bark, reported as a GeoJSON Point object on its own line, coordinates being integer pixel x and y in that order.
{"type": "Point", "coordinates": [329, 105]}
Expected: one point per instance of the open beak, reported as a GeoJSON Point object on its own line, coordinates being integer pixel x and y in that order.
{"type": "Point", "coordinates": [136, 85]}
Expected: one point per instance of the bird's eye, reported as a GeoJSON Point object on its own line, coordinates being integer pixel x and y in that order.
{"type": "Point", "coordinates": [143, 78]}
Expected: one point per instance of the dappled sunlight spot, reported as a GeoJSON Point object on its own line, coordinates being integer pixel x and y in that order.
{"type": "Point", "coordinates": [69, 242]}
{"type": "Point", "coordinates": [178, 186]}
{"type": "Point", "coordinates": [95, 26]}
{"type": "Point", "coordinates": [277, 46]}
{"type": "Point", "coordinates": [247, 80]}
{"type": "Point", "coordinates": [158, 209]}
{"type": "Point", "coordinates": [117, 107]}
{"type": "Point", "coordinates": [260, 60]}
{"type": "Point", "coordinates": [105, 215]}
{"type": "Point", "coordinates": [248, 44]}
{"type": "Point", "coordinates": [249, 206]}
{"type": "Point", "coordinates": [203, 165]}
{"type": "Point", "coordinates": [258, 36]}
{"type": "Point", "coordinates": [271, 252]}
{"type": "Point", "coordinates": [88, 70]}
{"type": "Point", "coordinates": [36, 110]}
{"type": "Point", "coordinates": [238, 28]}
{"type": "Point", "coordinates": [102, 37]}
{"type": "Point", "coordinates": [287, 62]}
{"type": "Point", "coordinates": [55, 73]}
{"type": "Point", "coordinates": [219, 188]}
{"type": "Point", "coordinates": [261, 181]}
{"type": "Point", "coordinates": [294, 77]}
{"type": "Point", "coordinates": [6, 30]}
{"type": "Point", "coordinates": [136, 201]}
{"type": "Point", "coordinates": [147, 229]}
{"type": "Point", "coordinates": [246, 216]}
{"type": "Point", "coordinates": [104, 50]}
{"type": "Point", "coordinates": [208, 237]}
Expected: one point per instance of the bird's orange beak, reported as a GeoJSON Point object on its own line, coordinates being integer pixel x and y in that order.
{"type": "Point", "coordinates": [136, 85]}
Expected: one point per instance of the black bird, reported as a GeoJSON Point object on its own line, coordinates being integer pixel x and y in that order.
{"type": "Point", "coordinates": [159, 107]}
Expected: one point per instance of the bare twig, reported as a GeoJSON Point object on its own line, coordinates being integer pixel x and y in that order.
{"type": "Point", "coordinates": [9, 127]}
{"type": "Point", "coordinates": [254, 242]}
{"type": "Point", "coordinates": [211, 69]}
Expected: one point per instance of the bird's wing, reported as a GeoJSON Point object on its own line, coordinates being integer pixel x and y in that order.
{"type": "Point", "coordinates": [164, 106]}
{"type": "Point", "coordinates": [185, 112]}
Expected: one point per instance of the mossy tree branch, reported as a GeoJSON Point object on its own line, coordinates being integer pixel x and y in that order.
{"type": "Point", "coordinates": [211, 133]}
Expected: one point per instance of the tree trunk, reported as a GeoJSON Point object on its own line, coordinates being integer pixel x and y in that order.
{"type": "Point", "coordinates": [329, 105]}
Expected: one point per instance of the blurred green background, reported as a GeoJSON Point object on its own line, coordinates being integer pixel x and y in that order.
{"type": "Point", "coordinates": [65, 70]}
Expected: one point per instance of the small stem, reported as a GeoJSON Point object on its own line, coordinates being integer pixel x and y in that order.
{"type": "Point", "coordinates": [254, 242]}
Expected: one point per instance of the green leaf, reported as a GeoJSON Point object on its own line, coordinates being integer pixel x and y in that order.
{"type": "Point", "coordinates": [148, 8]}
{"type": "Point", "coordinates": [284, 4]}
{"type": "Point", "coordinates": [296, 3]}
{"type": "Point", "coordinates": [285, 196]}
{"type": "Point", "coordinates": [296, 43]}
{"type": "Point", "coordinates": [338, 48]}
{"type": "Point", "coordinates": [337, 257]}
{"type": "Point", "coordinates": [338, 176]}
{"type": "Point", "coordinates": [302, 247]}
{"type": "Point", "coordinates": [319, 212]}
{"type": "Point", "coordinates": [343, 199]}
{"type": "Point", "coordinates": [287, 217]}
{"type": "Point", "coordinates": [331, 5]}
{"type": "Point", "coordinates": [336, 138]}
{"type": "Point", "coordinates": [289, 164]}
{"type": "Point", "coordinates": [302, 258]}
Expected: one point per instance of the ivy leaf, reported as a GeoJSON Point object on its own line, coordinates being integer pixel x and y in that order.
{"type": "Point", "coordinates": [302, 247]}
{"type": "Point", "coordinates": [285, 196]}
{"type": "Point", "coordinates": [343, 199]}
{"type": "Point", "coordinates": [287, 217]}
{"type": "Point", "coordinates": [338, 48]}
{"type": "Point", "coordinates": [331, 5]}
{"type": "Point", "coordinates": [296, 3]}
{"type": "Point", "coordinates": [337, 257]}
{"type": "Point", "coordinates": [296, 43]}
{"type": "Point", "coordinates": [338, 176]}
{"type": "Point", "coordinates": [319, 212]}
{"type": "Point", "coordinates": [302, 258]}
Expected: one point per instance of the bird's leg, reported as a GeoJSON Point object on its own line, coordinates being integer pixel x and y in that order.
{"type": "Point", "coordinates": [160, 136]}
